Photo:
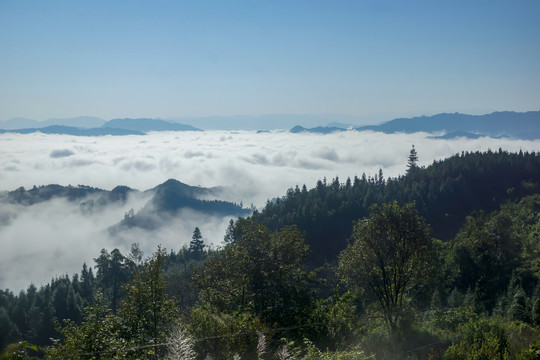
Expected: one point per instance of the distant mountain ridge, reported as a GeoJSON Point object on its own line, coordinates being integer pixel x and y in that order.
{"type": "Point", "coordinates": [78, 122]}
{"type": "Point", "coordinates": [319, 129]}
{"type": "Point", "coordinates": [144, 125]}
{"type": "Point", "coordinates": [70, 130]}
{"type": "Point", "coordinates": [521, 125]}
{"type": "Point", "coordinates": [498, 124]}
{"type": "Point", "coordinates": [524, 125]}
{"type": "Point", "coordinates": [115, 127]}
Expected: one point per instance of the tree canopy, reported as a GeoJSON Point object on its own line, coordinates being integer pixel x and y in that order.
{"type": "Point", "coordinates": [391, 251]}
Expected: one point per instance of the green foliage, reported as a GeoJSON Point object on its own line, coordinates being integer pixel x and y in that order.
{"type": "Point", "coordinates": [196, 246]}
{"type": "Point", "coordinates": [217, 332]}
{"type": "Point", "coordinates": [413, 159]}
{"type": "Point", "coordinates": [338, 322]}
{"type": "Point", "coordinates": [481, 340]}
{"type": "Point", "coordinates": [531, 353]}
{"type": "Point", "coordinates": [308, 351]}
{"type": "Point", "coordinates": [22, 350]}
{"type": "Point", "coordinates": [447, 323]}
{"type": "Point", "coordinates": [144, 319]}
{"type": "Point", "coordinates": [178, 275]}
{"type": "Point", "coordinates": [445, 193]}
{"type": "Point", "coordinates": [147, 314]}
{"type": "Point", "coordinates": [518, 306]}
{"type": "Point", "coordinates": [113, 270]}
{"type": "Point", "coordinates": [98, 335]}
{"type": "Point", "coordinates": [260, 272]}
{"type": "Point", "coordinates": [493, 338]}
{"type": "Point", "coordinates": [390, 254]}
{"type": "Point", "coordinates": [498, 252]}
{"type": "Point", "coordinates": [536, 312]}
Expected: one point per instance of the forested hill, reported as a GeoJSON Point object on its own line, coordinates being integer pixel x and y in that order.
{"type": "Point", "coordinates": [445, 193]}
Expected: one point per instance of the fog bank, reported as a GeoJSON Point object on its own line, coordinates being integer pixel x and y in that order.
{"type": "Point", "coordinates": [54, 238]}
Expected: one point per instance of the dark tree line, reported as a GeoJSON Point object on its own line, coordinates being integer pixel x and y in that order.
{"type": "Point", "coordinates": [33, 314]}
{"type": "Point", "coordinates": [444, 193]}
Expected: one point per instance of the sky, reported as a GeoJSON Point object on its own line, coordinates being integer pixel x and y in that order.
{"type": "Point", "coordinates": [55, 237]}
{"type": "Point", "coordinates": [372, 59]}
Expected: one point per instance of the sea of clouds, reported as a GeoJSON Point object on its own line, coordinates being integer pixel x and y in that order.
{"type": "Point", "coordinates": [54, 238]}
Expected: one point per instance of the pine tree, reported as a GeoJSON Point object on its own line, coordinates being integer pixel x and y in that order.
{"type": "Point", "coordinates": [413, 159]}
{"type": "Point", "coordinates": [196, 246]}
{"type": "Point", "coordinates": [518, 306]}
{"type": "Point", "coordinates": [229, 233]}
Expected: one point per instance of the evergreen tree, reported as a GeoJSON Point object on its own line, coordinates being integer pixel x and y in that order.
{"type": "Point", "coordinates": [146, 313]}
{"type": "Point", "coordinates": [229, 233]}
{"type": "Point", "coordinates": [518, 306]}
{"type": "Point", "coordinates": [413, 159]}
{"type": "Point", "coordinates": [113, 270]}
{"type": "Point", "coordinates": [196, 246]}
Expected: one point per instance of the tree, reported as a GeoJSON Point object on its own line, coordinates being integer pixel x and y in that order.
{"type": "Point", "coordinates": [97, 334]}
{"type": "Point", "coordinates": [260, 272]}
{"type": "Point", "coordinates": [391, 252]}
{"type": "Point", "coordinates": [485, 253]}
{"type": "Point", "coordinates": [146, 313]}
{"type": "Point", "coordinates": [145, 318]}
{"type": "Point", "coordinates": [229, 233]}
{"type": "Point", "coordinates": [113, 270]}
{"type": "Point", "coordinates": [196, 246]}
{"type": "Point", "coordinates": [136, 254]}
{"type": "Point", "coordinates": [413, 159]}
{"type": "Point", "coordinates": [87, 283]}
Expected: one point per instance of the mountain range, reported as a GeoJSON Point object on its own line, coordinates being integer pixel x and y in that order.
{"type": "Point", "coordinates": [87, 126]}
{"type": "Point", "coordinates": [498, 124]}
{"type": "Point", "coordinates": [524, 125]}
{"type": "Point", "coordinates": [75, 131]}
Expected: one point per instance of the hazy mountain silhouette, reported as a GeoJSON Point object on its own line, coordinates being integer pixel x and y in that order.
{"type": "Point", "coordinates": [170, 197]}
{"type": "Point", "coordinates": [19, 123]}
{"type": "Point", "coordinates": [524, 125]}
{"type": "Point", "coordinates": [319, 129]}
{"type": "Point", "coordinates": [43, 193]}
{"type": "Point", "coordinates": [143, 124]}
{"type": "Point", "coordinates": [69, 130]}
{"type": "Point", "coordinates": [79, 122]}
{"type": "Point", "coordinates": [268, 122]}
{"type": "Point", "coordinates": [512, 124]}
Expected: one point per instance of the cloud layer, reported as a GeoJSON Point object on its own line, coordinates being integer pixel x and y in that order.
{"type": "Point", "coordinates": [54, 238]}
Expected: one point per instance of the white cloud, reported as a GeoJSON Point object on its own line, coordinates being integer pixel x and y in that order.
{"type": "Point", "coordinates": [55, 238]}
{"type": "Point", "coordinates": [271, 162]}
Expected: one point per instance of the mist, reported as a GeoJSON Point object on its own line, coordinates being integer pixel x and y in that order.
{"type": "Point", "coordinates": [54, 238]}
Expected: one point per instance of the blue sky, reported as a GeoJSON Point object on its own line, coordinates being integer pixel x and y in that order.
{"type": "Point", "coordinates": [200, 58]}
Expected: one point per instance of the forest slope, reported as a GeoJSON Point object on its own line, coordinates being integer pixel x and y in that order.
{"type": "Point", "coordinates": [445, 193]}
